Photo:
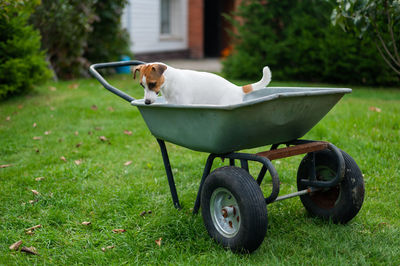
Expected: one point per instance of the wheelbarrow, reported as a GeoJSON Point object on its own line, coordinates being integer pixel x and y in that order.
{"type": "Point", "coordinates": [234, 209]}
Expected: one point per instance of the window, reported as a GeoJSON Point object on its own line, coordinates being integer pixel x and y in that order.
{"type": "Point", "coordinates": [171, 19]}
{"type": "Point", "coordinates": [165, 17]}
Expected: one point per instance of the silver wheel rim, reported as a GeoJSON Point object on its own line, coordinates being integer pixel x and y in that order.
{"type": "Point", "coordinates": [225, 212]}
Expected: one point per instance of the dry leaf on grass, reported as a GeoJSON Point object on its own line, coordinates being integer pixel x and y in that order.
{"type": "Point", "coordinates": [73, 86]}
{"type": "Point", "coordinates": [86, 223]}
{"type": "Point", "coordinates": [47, 132]}
{"type": "Point", "coordinates": [103, 138]}
{"type": "Point", "coordinates": [33, 201]}
{"type": "Point", "coordinates": [98, 128]}
{"type": "Point", "coordinates": [375, 109]}
{"type": "Point", "coordinates": [108, 247]}
{"type": "Point", "coordinates": [63, 159]}
{"type": "Point", "coordinates": [5, 165]}
{"type": "Point", "coordinates": [94, 107]}
{"type": "Point", "coordinates": [127, 132]}
{"type": "Point", "coordinates": [37, 138]}
{"type": "Point", "coordinates": [110, 109]}
{"type": "Point", "coordinates": [35, 192]}
{"type": "Point", "coordinates": [76, 133]}
{"type": "Point", "coordinates": [52, 88]}
{"type": "Point", "coordinates": [78, 162]}
{"type": "Point", "coordinates": [39, 178]}
{"type": "Point", "coordinates": [78, 145]}
{"type": "Point", "coordinates": [30, 232]}
{"type": "Point", "coordinates": [128, 163]}
{"type": "Point", "coordinates": [158, 242]}
{"type": "Point", "coordinates": [117, 231]}
{"type": "Point", "coordinates": [33, 227]}
{"type": "Point", "coordinates": [34, 125]}
{"type": "Point", "coordinates": [8, 118]}
{"type": "Point", "coordinates": [16, 245]}
{"type": "Point", "coordinates": [20, 106]}
{"type": "Point", "coordinates": [30, 250]}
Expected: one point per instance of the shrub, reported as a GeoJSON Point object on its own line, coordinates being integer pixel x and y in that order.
{"type": "Point", "coordinates": [296, 39]}
{"type": "Point", "coordinates": [22, 63]}
{"type": "Point", "coordinates": [65, 26]}
{"type": "Point", "coordinates": [108, 41]}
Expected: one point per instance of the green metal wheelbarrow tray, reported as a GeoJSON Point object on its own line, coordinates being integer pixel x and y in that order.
{"type": "Point", "coordinates": [234, 209]}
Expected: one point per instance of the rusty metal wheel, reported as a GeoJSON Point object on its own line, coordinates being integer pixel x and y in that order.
{"type": "Point", "coordinates": [234, 209]}
{"type": "Point", "coordinates": [340, 203]}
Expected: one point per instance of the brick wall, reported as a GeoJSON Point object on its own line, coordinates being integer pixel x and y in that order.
{"type": "Point", "coordinates": [196, 29]}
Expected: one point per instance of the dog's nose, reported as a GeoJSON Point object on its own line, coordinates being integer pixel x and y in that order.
{"type": "Point", "coordinates": [147, 101]}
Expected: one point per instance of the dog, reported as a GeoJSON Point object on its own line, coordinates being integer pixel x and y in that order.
{"type": "Point", "coordinates": [181, 86]}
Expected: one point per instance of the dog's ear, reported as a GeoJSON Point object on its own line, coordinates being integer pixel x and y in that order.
{"type": "Point", "coordinates": [136, 69]}
{"type": "Point", "coordinates": [158, 68]}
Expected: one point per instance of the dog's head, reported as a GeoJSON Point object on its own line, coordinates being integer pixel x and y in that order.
{"type": "Point", "coordinates": [151, 79]}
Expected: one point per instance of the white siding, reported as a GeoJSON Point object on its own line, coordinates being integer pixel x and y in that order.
{"type": "Point", "coordinates": [142, 20]}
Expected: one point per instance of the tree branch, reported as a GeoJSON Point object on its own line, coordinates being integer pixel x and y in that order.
{"type": "Point", "coordinates": [384, 45]}
{"type": "Point", "coordinates": [386, 60]}
{"type": "Point", "coordinates": [390, 28]}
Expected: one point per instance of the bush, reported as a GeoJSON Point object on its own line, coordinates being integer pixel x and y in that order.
{"type": "Point", "coordinates": [65, 26]}
{"type": "Point", "coordinates": [108, 41]}
{"type": "Point", "coordinates": [22, 63]}
{"type": "Point", "coordinates": [295, 38]}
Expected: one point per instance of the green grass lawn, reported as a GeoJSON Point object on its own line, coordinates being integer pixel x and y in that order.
{"type": "Point", "coordinates": [112, 171]}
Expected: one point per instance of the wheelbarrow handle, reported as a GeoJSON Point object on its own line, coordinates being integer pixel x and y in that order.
{"type": "Point", "coordinates": [93, 71]}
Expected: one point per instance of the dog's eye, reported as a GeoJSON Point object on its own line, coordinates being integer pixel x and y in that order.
{"type": "Point", "coordinates": [152, 85]}
{"type": "Point", "coordinates": [141, 84]}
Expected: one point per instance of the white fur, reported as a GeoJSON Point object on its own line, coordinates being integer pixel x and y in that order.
{"type": "Point", "coordinates": [192, 87]}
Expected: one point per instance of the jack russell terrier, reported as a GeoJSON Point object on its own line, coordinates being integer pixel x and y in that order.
{"type": "Point", "coordinates": [180, 86]}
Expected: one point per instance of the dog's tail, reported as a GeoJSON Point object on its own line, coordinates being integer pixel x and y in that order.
{"type": "Point", "coordinates": [265, 80]}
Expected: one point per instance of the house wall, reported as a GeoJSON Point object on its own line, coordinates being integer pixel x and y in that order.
{"type": "Point", "coordinates": [142, 20]}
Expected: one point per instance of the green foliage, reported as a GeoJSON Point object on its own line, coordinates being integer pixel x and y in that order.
{"type": "Point", "coordinates": [22, 64]}
{"type": "Point", "coordinates": [78, 32]}
{"type": "Point", "coordinates": [296, 39]}
{"type": "Point", "coordinates": [376, 19]}
{"type": "Point", "coordinates": [108, 41]}
{"type": "Point", "coordinates": [65, 26]}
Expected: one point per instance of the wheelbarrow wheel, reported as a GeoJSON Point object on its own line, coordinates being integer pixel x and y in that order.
{"type": "Point", "coordinates": [340, 203]}
{"type": "Point", "coordinates": [234, 209]}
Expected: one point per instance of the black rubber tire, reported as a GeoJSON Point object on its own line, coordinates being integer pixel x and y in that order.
{"type": "Point", "coordinates": [250, 201]}
{"type": "Point", "coordinates": [341, 203]}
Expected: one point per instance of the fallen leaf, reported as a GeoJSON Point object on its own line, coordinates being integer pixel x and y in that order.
{"type": "Point", "coordinates": [5, 165]}
{"type": "Point", "coordinates": [33, 227]}
{"type": "Point", "coordinates": [73, 86]}
{"type": "Point", "coordinates": [34, 125]}
{"type": "Point", "coordinates": [78, 162]}
{"type": "Point", "coordinates": [30, 250]}
{"type": "Point", "coordinates": [98, 128]}
{"type": "Point", "coordinates": [110, 109]}
{"type": "Point", "coordinates": [76, 133]}
{"type": "Point", "coordinates": [33, 201]}
{"type": "Point", "coordinates": [52, 108]}
{"type": "Point", "coordinates": [30, 232]}
{"type": "Point", "coordinates": [90, 133]}
{"type": "Point", "coordinates": [35, 192]}
{"type": "Point", "coordinates": [20, 106]}
{"type": "Point", "coordinates": [118, 230]}
{"type": "Point", "coordinates": [375, 109]}
{"type": "Point", "coordinates": [110, 247]}
{"type": "Point", "coordinates": [158, 242]}
{"type": "Point", "coordinates": [78, 145]}
{"type": "Point", "coordinates": [86, 223]}
{"type": "Point", "coordinates": [103, 138]}
{"type": "Point", "coordinates": [103, 249]}
{"type": "Point", "coordinates": [8, 118]}
{"type": "Point", "coordinates": [37, 138]}
{"type": "Point", "coordinates": [47, 133]}
{"type": "Point", "coordinates": [39, 178]}
{"type": "Point", "coordinates": [127, 132]}
{"type": "Point", "coordinates": [16, 245]}
{"type": "Point", "coordinates": [52, 88]}
{"type": "Point", "coordinates": [63, 158]}
{"type": "Point", "coordinates": [37, 150]}
{"type": "Point", "coordinates": [94, 107]}
{"type": "Point", "coordinates": [128, 163]}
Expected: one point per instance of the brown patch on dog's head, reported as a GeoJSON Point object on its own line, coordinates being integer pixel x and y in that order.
{"type": "Point", "coordinates": [153, 73]}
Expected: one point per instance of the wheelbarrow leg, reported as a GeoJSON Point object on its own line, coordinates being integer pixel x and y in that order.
{"type": "Point", "coordinates": [170, 176]}
{"type": "Point", "coordinates": [206, 172]}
